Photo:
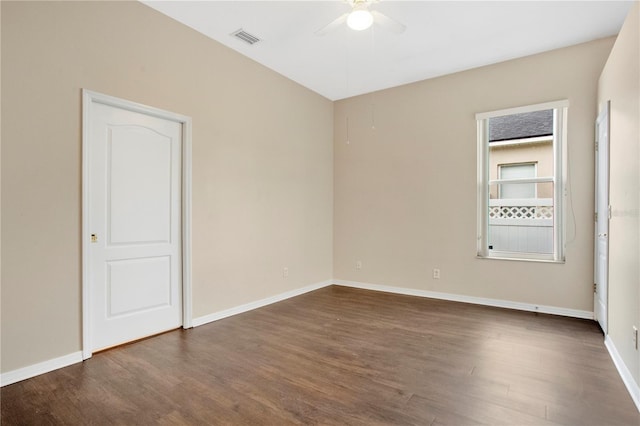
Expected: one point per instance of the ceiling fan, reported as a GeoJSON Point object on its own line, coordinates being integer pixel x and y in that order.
{"type": "Point", "coordinates": [360, 18]}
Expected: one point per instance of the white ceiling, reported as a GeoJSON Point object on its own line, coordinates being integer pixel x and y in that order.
{"type": "Point", "coordinates": [442, 37]}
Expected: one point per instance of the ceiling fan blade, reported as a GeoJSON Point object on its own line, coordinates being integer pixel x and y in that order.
{"type": "Point", "coordinates": [332, 25]}
{"type": "Point", "coordinates": [388, 23]}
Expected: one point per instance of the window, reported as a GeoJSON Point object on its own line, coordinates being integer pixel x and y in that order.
{"type": "Point", "coordinates": [515, 171]}
{"type": "Point", "coordinates": [521, 157]}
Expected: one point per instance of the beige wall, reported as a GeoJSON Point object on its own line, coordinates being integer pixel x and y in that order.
{"type": "Point", "coordinates": [620, 83]}
{"type": "Point", "coordinates": [262, 163]}
{"type": "Point", "coordinates": [405, 194]}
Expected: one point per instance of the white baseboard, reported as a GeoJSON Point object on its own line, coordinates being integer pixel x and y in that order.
{"type": "Point", "coordinates": [258, 303]}
{"type": "Point", "coordinates": [575, 313]}
{"type": "Point", "coordinates": [627, 377]}
{"type": "Point", "coordinates": [40, 368]}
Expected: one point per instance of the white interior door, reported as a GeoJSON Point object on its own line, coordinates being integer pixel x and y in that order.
{"type": "Point", "coordinates": [602, 218]}
{"type": "Point", "coordinates": [134, 220]}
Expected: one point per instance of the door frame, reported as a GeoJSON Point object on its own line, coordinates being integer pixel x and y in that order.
{"type": "Point", "coordinates": [88, 98]}
{"type": "Point", "coordinates": [604, 115]}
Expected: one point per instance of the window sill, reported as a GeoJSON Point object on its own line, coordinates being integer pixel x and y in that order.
{"type": "Point", "coordinates": [521, 259]}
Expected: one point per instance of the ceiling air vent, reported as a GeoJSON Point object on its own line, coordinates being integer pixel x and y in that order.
{"type": "Point", "coordinates": [245, 36]}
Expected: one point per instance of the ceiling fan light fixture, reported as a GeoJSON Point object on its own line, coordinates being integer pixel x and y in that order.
{"type": "Point", "coordinates": [359, 20]}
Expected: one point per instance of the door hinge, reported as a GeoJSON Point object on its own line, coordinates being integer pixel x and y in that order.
{"type": "Point", "coordinates": [595, 287]}
{"type": "Point", "coordinates": [596, 143]}
{"type": "Point", "coordinates": [595, 217]}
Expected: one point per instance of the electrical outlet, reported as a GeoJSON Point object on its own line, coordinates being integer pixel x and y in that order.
{"type": "Point", "coordinates": [436, 273]}
{"type": "Point", "coordinates": [635, 337]}
{"type": "Point", "coordinates": [285, 272]}
{"type": "Point", "coordinates": [358, 265]}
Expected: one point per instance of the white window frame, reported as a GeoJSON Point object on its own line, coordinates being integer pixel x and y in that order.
{"type": "Point", "coordinates": [559, 180]}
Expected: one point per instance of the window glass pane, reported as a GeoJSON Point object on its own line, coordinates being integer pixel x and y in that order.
{"type": "Point", "coordinates": [520, 163]}
{"type": "Point", "coordinates": [521, 214]}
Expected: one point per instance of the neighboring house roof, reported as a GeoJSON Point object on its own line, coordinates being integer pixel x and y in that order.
{"type": "Point", "coordinates": [521, 126]}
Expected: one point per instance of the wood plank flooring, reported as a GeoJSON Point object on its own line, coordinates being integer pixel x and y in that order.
{"type": "Point", "coordinates": [343, 356]}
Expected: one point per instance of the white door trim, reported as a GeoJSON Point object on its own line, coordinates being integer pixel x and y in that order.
{"type": "Point", "coordinates": [89, 97]}
{"type": "Point", "coordinates": [601, 290]}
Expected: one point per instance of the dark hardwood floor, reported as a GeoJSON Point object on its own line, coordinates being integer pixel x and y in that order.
{"type": "Point", "coordinates": [343, 356]}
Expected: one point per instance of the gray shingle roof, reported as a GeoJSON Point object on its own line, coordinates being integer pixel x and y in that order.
{"type": "Point", "coordinates": [519, 126]}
